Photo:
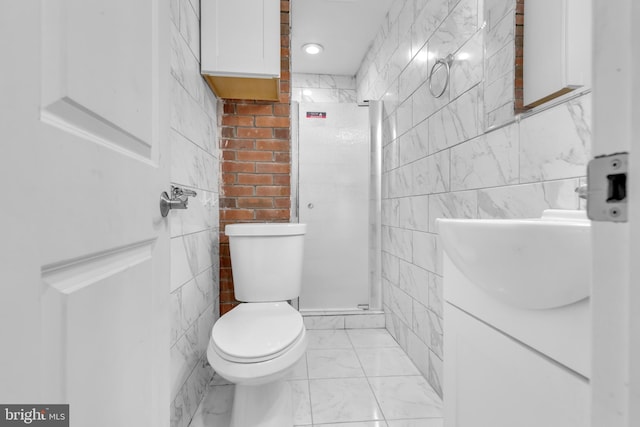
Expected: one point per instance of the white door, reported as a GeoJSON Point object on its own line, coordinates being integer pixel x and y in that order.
{"type": "Point", "coordinates": [616, 285]}
{"type": "Point", "coordinates": [334, 158]}
{"type": "Point", "coordinates": [84, 251]}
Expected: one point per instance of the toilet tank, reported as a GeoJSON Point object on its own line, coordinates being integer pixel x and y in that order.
{"type": "Point", "coordinates": [266, 259]}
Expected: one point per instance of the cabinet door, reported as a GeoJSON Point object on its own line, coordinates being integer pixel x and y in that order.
{"type": "Point", "coordinates": [241, 38]}
{"type": "Point", "coordinates": [491, 380]}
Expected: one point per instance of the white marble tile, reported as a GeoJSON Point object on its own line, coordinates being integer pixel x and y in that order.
{"type": "Point", "coordinates": [461, 204]}
{"type": "Point", "coordinates": [404, 117]}
{"type": "Point", "coordinates": [426, 23]}
{"type": "Point", "coordinates": [500, 63]}
{"type": "Point", "coordinates": [414, 213]}
{"type": "Point", "coordinates": [424, 422]}
{"type": "Point", "coordinates": [418, 352]}
{"type": "Point", "coordinates": [458, 122]}
{"type": "Point", "coordinates": [343, 400]}
{"type": "Point", "coordinates": [328, 339]}
{"type": "Point", "coordinates": [215, 408]}
{"type": "Point", "coordinates": [371, 338]}
{"type": "Point", "coordinates": [414, 144]}
{"type": "Point", "coordinates": [299, 370]}
{"type": "Point", "coordinates": [430, 175]}
{"type": "Point", "coordinates": [364, 321]}
{"type": "Point", "coordinates": [301, 402]}
{"type": "Point", "coordinates": [556, 143]}
{"type": "Point", "coordinates": [500, 92]}
{"type": "Point", "coordinates": [333, 363]}
{"type": "Point", "coordinates": [396, 327]}
{"type": "Point", "coordinates": [391, 212]}
{"type": "Point", "coordinates": [435, 295]}
{"type": "Point", "coordinates": [175, 303]}
{"type": "Point", "coordinates": [527, 200]}
{"type": "Point", "coordinates": [184, 356]}
{"type": "Point", "coordinates": [184, 66]}
{"type": "Point", "coordinates": [302, 80]}
{"type": "Point", "coordinates": [400, 304]}
{"type": "Point", "coordinates": [425, 104]}
{"type": "Point", "coordinates": [323, 322]}
{"type": "Point", "coordinates": [201, 215]}
{"type": "Point", "coordinates": [192, 166]}
{"type": "Point", "coordinates": [358, 424]}
{"type": "Point", "coordinates": [390, 158]}
{"type": "Point", "coordinates": [191, 255]}
{"type": "Point", "coordinates": [501, 115]}
{"type": "Point", "coordinates": [332, 81]}
{"type": "Point", "coordinates": [425, 251]}
{"type": "Point", "coordinates": [495, 10]}
{"type": "Point", "coordinates": [188, 118]}
{"type": "Point", "coordinates": [386, 361]}
{"type": "Point", "coordinates": [456, 29]}
{"type": "Point", "coordinates": [416, 71]}
{"type": "Point", "coordinates": [487, 161]}
{"type": "Point", "coordinates": [390, 267]}
{"type": "Point", "coordinates": [436, 370]}
{"type": "Point", "coordinates": [499, 34]}
{"type": "Point", "coordinates": [468, 65]}
{"type": "Point", "coordinates": [414, 281]}
{"type": "Point", "coordinates": [397, 242]}
{"type": "Point", "coordinates": [406, 397]}
{"type": "Point", "coordinates": [190, 27]}
{"type": "Point", "coordinates": [177, 415]}
{"type": "Point", "coordinates": [421, 323]}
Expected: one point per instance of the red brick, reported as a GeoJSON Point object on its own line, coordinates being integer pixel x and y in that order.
{"type": "Point", "coordinates": [228, 132]}
{"type": "Point", "coordinates": [271, 121]}
{"type": "Point", "coordinates": [282, 157]}
{"type": "Point", "coordinates": [228, 155]}
{"type": "Point", "coordinates": [272, 145]}
{"type": "Point", "coordinates": [272, 214]}
{"type": "Point", "coordinates": [284, 180]}
{"type": "Point", "coordinates": [237, 190]}
{"type": "Point", "coordinates": [255, 202]}
{"type": "Point", "coordinates": [281, 133]}
{"type": "Point", "coordinates": [282, 202]}
{"type": "Point", "coordinates": [237, 144]}
{"type": "Point", "coordinates": [255, 109]}
{"type": "Point", "coordinates": [272, 190]}
{"type": "Point", "coordinates": [255, 179]}
{"type": "Point", "coordinates": [237, 120]}
{"type": "Point", "coordinates": [238, 167]}
{"type": "Point", "coordinates": [236, 214]}
{"type": "Point", "coordinates": [255, 156]}
{"type": "Point", "coordinates": [261, 133]}
{"type": "Point", "coordinates": [273, 168]}
{"type": "Point", "coordinates": [281, 110]}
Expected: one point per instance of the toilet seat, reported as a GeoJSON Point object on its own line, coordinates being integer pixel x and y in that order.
{"type": "Point", "coordinates": [257, 332]}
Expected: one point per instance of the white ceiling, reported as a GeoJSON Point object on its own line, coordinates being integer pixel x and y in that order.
{"type": "Point", "coordinates": [345, 28]}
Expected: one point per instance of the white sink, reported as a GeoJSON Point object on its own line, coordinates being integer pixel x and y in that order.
{"type": "Point", "coordinates": [536, 263]}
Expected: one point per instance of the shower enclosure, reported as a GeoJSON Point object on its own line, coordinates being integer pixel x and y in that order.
{"type": "Point", "coordinates": [338, 151]}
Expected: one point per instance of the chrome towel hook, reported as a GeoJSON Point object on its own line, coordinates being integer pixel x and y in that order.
{"type": "Point", "coordinates": [442, 62]}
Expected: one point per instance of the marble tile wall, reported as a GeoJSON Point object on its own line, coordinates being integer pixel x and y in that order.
{"type": "Point", "coordinates": [439, 159]}
{"type": "Point", "coordinates": [323, 88]}
{"type": "Point", "coordinates": [194, 232]}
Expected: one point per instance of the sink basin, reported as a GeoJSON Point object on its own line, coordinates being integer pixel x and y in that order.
{"type": "Point", "coordinates": [538, 263]}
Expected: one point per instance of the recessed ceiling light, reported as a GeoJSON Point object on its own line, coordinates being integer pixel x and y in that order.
{"type": "Point", "coordinates": [312, 48]}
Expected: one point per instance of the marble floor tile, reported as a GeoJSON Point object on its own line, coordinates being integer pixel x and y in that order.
{"type": "Point", "coordinates": [343, 400]}
{"type": "Point", "coordinates": [333, 363]}
{"type": "Point", "coordinates": [424, 422]}
{"type": "Point", "coordinates": [215, 408]}
{"type": "Point", "coordinates": [299, 371]}
{"type": "Point", "coordinates": [406, 397]}
{"type": "Point", "coordinates": [361, 338]}
{"type": "Point", "coordinates": [328, 339]}
{"type": "Point", "coordinates": [386, 361]}
{"type": "Point", "coordinates": [361, 424]}
{"type": "Point", "coordinates": [301, 402]}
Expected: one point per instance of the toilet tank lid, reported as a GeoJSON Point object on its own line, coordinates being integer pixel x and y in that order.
{"type": "Point", "coordinates": [265, 229]}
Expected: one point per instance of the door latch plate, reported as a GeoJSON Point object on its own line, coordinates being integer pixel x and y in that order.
{"type": "Point", "coordinates": [607, 188]}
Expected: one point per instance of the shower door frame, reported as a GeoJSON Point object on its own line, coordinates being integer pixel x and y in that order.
{"type": "Point", "coordinates": [375, 197]}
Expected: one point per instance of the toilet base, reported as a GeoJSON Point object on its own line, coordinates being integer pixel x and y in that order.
{"type": "Point", "coordinates": [266, 405]}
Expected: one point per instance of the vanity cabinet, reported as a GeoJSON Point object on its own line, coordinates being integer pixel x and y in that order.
{"type": "Point", "coordinates": [557, 49]}
{"type": "Point", "coordinates": [240, 48]}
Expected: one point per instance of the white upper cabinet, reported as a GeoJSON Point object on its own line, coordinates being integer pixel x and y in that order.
{"type": "Point", "coordinates": [557, 48]}
{"type": "Point", "coordinates": [240, 38]}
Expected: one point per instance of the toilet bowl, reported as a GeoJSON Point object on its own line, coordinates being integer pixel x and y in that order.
{"type": "Point", "coordinates": [257, 344]}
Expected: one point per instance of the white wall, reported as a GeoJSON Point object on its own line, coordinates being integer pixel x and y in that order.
{"type": "Point", "coordinates": [194, 232]}
{"type": "Point", "coordinates": [439, 160]}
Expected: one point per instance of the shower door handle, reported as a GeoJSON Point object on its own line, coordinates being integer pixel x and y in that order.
{"type": "Point", "coordinates": [310, 205]}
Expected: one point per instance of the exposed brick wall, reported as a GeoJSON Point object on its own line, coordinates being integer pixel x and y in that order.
{"type": "Point", "coordinates": [256, 162]}
{"type": "Point", "coordinates": [519, 83]}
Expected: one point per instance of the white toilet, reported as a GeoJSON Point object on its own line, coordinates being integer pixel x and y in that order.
{"type": "Point", "coordinates": [256, 344]}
